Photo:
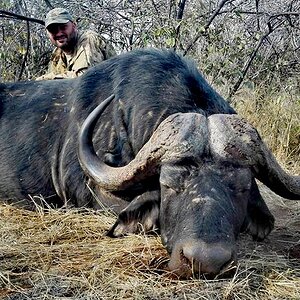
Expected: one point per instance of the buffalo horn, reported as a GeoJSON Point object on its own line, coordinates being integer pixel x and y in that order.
{"type": "Point", "coordinates": [173, 139]}
{"type": "Point", "coordinates": [234, 138]}
{"type": "Point", "coordinates": [110, 178]}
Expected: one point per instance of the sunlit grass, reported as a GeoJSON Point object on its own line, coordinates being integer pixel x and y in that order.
{"type": "Point", "coordinates": [277, 119]}
{"type": "Point", "coordinates": [65, 253]}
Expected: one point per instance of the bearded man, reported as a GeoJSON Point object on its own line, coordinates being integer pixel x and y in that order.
{"type": "Point", "coordinates": [75, 51]}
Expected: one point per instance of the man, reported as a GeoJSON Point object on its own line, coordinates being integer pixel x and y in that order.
{"type": "Point", "coordinates": [75, 51]}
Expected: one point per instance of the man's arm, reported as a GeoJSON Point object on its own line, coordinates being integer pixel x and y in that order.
{"type": "Point", "coordinates": [51, 75]}
{"type": "Point", "coordinates": [57, 68]}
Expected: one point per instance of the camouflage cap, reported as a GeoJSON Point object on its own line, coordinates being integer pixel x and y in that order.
{"type": "Point", "coordinates": [57, 16]}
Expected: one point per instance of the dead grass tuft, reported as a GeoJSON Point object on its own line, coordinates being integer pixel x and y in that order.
{"type": "Point", "coordinates": [277, 119]}
{"type": "Point", "coordinates": [64, 254]}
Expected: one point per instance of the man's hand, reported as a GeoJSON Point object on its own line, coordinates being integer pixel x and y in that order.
{"type": "Point", "coordinates": [46, 77]}
{"type": "Point", "coordinates": [51, 76]}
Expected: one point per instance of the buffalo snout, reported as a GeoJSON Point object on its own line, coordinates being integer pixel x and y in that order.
{"type": "Point", "coordinates": [195, 258]}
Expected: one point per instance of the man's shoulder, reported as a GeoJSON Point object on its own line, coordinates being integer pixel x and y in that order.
{"type": "Point", "coordinates": [96, 43]}
{"type": "Point", "coordinates": [89, 36]}
{"type": "Point", "coordinates": [89, 32]}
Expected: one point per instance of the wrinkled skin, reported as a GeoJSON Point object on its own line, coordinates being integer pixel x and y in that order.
{"type": "Point", "coordinates": [204, 232]}
{"type": "Point", "coordinates": [200, 218]}
{"type": "Point", "coordinates": [207, 196]}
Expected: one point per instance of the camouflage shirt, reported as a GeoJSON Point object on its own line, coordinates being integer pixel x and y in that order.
{"type": "Point", "coordinates": [90, 50]}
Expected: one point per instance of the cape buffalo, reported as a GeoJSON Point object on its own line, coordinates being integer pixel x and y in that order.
{"type": "Point", "coordinates": [164, 150]}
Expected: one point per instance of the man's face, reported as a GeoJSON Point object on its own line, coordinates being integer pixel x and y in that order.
{"type": "Point", "coordinates": [62, 35]}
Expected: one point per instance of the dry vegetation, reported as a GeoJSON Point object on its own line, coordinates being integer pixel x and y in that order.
{"type": "Point", "coordinates": [64, 254]}
{"type": "Point", "coordinates": [276, 115]}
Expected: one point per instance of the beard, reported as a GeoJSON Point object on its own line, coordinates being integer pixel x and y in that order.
{"type": "Point", "coordinates": [69, 45]}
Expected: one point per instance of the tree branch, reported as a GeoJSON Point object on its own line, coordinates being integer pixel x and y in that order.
{"type": "Point", "coordinates": [179, 16]}
{"type": "Point", "coordinates": [252, 56]}
{"type": "Point", "coordinates": [257, 18]}
{"type": "Point", "coordinates": [205, 28]}
{"type": "Point", "coordinates": [7, 14]}
{"type": "Point", "coordinates": [26, 53]}
{"type": "Point", "coordinates": [49, 5]}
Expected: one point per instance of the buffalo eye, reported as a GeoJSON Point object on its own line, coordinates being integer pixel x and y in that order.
{"type": "Point", "coordinates": [174, 176]}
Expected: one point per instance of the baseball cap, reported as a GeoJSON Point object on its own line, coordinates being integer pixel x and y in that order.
{"type": "Point", "coordinates": [57, 16]}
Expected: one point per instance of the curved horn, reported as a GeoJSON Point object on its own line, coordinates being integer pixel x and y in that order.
{"type": "Point", "coordinates": [104, 175]}
{"type": "Point", "coordinates": [173, 138]}
{"type": "Point", "coordinates": [115, 178]}
{"type": "Point", "coordinates": [235, 139]}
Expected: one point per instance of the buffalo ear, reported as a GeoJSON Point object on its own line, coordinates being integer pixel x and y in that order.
{"type": "Point", "coordinates": [141, 215]}
{"type": "Point", "coordinates": [259, 221]}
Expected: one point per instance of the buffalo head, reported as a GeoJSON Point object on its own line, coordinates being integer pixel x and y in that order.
{"type": "Point", "coordinates": [206, 169]}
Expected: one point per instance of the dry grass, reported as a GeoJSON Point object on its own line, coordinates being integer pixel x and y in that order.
{"type": "Point", "coordinates": [277, 118]}
{"type": "Point", "coordinates": [64, 254]}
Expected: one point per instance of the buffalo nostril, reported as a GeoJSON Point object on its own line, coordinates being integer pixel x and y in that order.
{"type": "Point", "coordinates": [197, 258]}
{"type": "Point", "coordinates": [207, 258]}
